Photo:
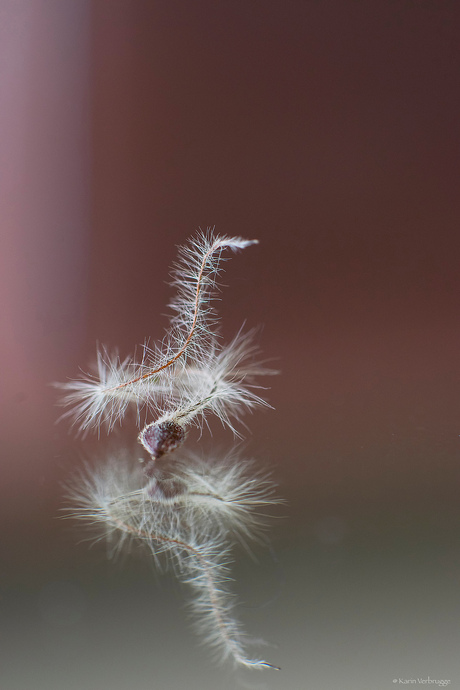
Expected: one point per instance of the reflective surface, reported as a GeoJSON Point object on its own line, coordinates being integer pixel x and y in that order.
{"type": "Point", "coordinates": [329, 131]}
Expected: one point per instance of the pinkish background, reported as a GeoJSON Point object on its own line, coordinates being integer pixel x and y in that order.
{"type": "Point", "coordinates": [329, 130]}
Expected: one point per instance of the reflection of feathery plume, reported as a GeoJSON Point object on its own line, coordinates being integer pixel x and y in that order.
{"type": "Point", "coordinates": [192, 520]}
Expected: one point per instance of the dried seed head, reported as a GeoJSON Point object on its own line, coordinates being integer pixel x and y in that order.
{"type": "Point", "coordinates": [161, 438]}
{"type": "Point", "coordinates": [189, 510]}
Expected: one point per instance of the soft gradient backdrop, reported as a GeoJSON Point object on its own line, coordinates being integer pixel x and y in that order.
{"type": "Point", "coordinates": [328, 129]}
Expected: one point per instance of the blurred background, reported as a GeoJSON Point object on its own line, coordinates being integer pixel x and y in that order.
{"type": "Point", "coordinates": [328, 130]}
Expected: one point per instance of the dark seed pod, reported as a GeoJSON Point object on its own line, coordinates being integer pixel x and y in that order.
{"type": "Point", "coordinates": [162, 438]}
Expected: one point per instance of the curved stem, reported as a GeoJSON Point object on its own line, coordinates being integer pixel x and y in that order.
{"type": "Point", "coordinates": [217, 244]}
